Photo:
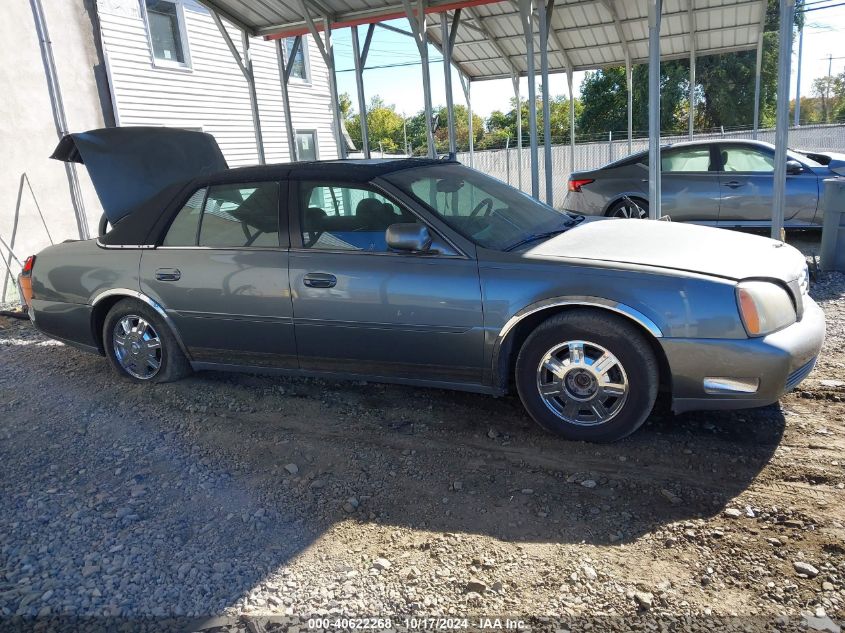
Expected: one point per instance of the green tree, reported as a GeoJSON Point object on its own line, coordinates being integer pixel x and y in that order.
{"type": "Point", "coordinates": [724, 89]}
{"type": "Point", "coordinates": [604, 95]}
{"type": "Point", "coordinates": [501, 126]}
{"type": "Point", "coordinates": [384, 125]}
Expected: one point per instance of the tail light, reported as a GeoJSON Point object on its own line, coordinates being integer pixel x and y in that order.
{"type": "Point", "coordinates": [575, 185]}
{"type": "Point", "coordinates": [27, 266]}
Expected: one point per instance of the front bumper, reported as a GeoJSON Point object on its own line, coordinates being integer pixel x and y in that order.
{"type": "Point", "coordinates": [779, 361]}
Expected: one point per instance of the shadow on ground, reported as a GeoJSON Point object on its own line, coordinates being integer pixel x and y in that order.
{"type": "Point", "coordinates": [121, 500]}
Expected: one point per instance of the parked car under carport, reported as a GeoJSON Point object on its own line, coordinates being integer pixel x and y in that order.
{"type": "Point", "coordinates": [714, 182]}
{"type": "Point", "coordinates": [419, 271]}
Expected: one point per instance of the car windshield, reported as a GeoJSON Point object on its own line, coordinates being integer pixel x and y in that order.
{"type": "Point", "coordinates": [485, 210]}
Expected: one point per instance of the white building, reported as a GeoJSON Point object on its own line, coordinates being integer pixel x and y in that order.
{"type": "Point", "coordinates": [168, 64]}
{"type": "Point", "coordinates": [76, 65]}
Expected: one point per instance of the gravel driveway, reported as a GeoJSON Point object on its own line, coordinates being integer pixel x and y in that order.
{"type": "Point", "coordinates": [258, 502]}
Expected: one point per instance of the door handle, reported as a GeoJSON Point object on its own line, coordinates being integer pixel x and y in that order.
{"type": "Point", "coordinates": [319, 280]}
{"type": "Point", "coordinates": [733, 184]}
{"type": "Point", "coordinates": [168, 274]}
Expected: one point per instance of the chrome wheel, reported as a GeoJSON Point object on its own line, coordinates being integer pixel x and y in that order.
{"type": "Point", "coordinates": [582, 383]}
{"type": "Point", "coordinates": [629, 210]}
{"type": "Point", "coordinates": [137, 347]}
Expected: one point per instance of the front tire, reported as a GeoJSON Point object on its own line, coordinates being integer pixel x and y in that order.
{"type": "Point", "coordinates": [587, 375]}
{"type": "Point", "coordinates": [629, 209]}
{"type": "Point", "coordinates": [141, 346]}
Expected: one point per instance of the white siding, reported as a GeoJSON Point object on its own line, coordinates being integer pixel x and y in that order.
{"type": "Point", "coordinates": [213, 93]}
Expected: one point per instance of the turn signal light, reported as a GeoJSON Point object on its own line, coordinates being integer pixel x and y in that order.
{"type": "Point", "coordinates": [748, 308]}
{"type": "Point", "coordinates": [575, 185]}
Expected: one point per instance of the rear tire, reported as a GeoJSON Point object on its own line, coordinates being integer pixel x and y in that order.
{"type": "Point", "coordinates": [587, 375]}
{"type": "Point", "coordinates": [636, 209]}
{"type": "Point", "coordinates": [140, 345]}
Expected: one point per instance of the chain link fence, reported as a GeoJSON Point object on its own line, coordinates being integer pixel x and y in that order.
{"type": "Point", "coordinates": [504, 164]}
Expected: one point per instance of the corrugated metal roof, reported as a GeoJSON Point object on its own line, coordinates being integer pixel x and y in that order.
{"type": "Point", "coordinates": [584, 34]}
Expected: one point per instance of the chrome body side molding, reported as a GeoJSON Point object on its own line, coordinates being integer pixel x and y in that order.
{"type": "Point", "coordinates": [134, 294]}
{"type": "Point", "coordinates": [555, 302]}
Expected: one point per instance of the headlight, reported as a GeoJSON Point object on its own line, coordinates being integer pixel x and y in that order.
{"type": "Point", "coordinates": [764, 307]}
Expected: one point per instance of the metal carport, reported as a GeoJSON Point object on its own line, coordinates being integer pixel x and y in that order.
{"type": "Point", "coordinates": [494, 39]}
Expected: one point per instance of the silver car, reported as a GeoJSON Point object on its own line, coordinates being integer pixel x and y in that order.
{"type": "Point", "coordinates": [718, 182]}
{"type": "Point", "coordinates": [416, 271]}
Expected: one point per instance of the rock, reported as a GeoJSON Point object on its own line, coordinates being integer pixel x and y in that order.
{"type": "Point", "coordinates": [793, 523]}
{"type": "Point", "coordinates": [381, 564]}
{"type": "Point", "coordinates": [589, 572]}
{"type": "Point", "coordinates": [805, 568]}
{"type": "Point", "coordinates": [832, 383]}
{"type": "Point", "coordinates": [89, 570]}
{"type": "Point", "coordinates": [589, 483]}
{"type": "Point", "coordinates": [527, 491]}
{"type": "Point", "coordinates": [351, 505]}
{"type": "Point", "coordinates": [670, 496]}
{"type": "Point", "coordinates": [492, 434]}
{"type": "Point", "coordinates": [644, 599]}
{"type": "Point", "coordinates": [827, 586]}
{"type": "Point", "coordinates": [475, 586]}
{"type": "Point", "coordinates": [458, 485]}
{"type": "Point", "coordinates": [733, 513]}
{"type": "Point", "coordinates": [293, 469]}
{"type": "Point", "coordinates": [815, 623]}
{"type": "Point", "coordinates": [774, 541]}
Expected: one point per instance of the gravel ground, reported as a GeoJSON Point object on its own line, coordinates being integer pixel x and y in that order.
{"type": "Point", "coordinates": [236, 502]}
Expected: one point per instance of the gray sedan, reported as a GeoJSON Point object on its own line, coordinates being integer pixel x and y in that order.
{"type": "Point", "coordinates": [723, 183]}
{"type": "Point", "coordinates": [421, 272]}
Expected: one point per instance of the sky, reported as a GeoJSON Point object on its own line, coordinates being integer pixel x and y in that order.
{"type": "Point", "coordinates": [402, 86]}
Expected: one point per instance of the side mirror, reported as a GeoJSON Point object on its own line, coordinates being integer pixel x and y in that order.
{"type": "Point", "coordinates": [408, 236]}
{"type": "Point", "coordinates": [793, 167]}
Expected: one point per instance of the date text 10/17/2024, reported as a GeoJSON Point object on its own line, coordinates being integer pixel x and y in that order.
{"type": "Point", "coordinates": [417, 624]}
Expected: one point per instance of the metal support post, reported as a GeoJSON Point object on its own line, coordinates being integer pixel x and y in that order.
{"type": "Point", "coordinates": [757, 73]}
{"type": "Point", "coordinates": [245, 65]}
{"type": "Point", "coordinates": [518, 97]}
{"type": "Point", "coordinates": [448, 41]}
{"type": "Point", "coordinates": [655, 8]}
{"type": "Point", "coordinates": [418, 27]}
{"type": "Point", "coordinates": [324, 44]}
{"type": "Point", "coordinates": [787, 13]}
{"type": "Point", "coordinates": [629, 81]}
{"type": "Point", "coordinates": [545, 17]}
{"type": "Point", "coordinates": [798, 82]}
{"type": "Point", "coordinates": [569, 78]}
{"type": "Point", "coordinates": [527, 15]}
{"type": "Point", "coordinates": [59, 118]}
{"type": "Point", "coordinates": [284, 78]}
{"type": "Point", "coordinates": [692, 43]}
{"type": "Point", "coordinates": [466, 84]}
{"type": "Point", "coordinates": [360, 60]}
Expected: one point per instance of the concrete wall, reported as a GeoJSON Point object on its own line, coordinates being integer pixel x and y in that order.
{"type": "Point", "coordinates": [28, 132]}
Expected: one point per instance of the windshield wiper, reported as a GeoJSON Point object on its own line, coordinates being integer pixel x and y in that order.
{"type": "Point", "coordinates": [535, 237]}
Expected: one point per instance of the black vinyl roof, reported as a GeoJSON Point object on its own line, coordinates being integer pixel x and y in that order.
{"type": "Point", "coordinates": [344, 170]}
{"type": "Point", "coordinates": [144, 224]}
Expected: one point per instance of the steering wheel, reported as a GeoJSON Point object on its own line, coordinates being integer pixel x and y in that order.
{"type": "Point", "coordinates": [487, 202]}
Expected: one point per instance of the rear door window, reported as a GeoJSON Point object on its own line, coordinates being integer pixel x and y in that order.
{"type": "Point", "coordinates": [690, 159]}
{"type": "Point", "coordinates": [244, 215]}
{"type": "Point", "coordinates": [183, 229]}
{"type": "Point", "coordinates": [241, 215]}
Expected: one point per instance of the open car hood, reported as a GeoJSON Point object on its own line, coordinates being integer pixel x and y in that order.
{"type": "Point", "coordinates": [129, 166]}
